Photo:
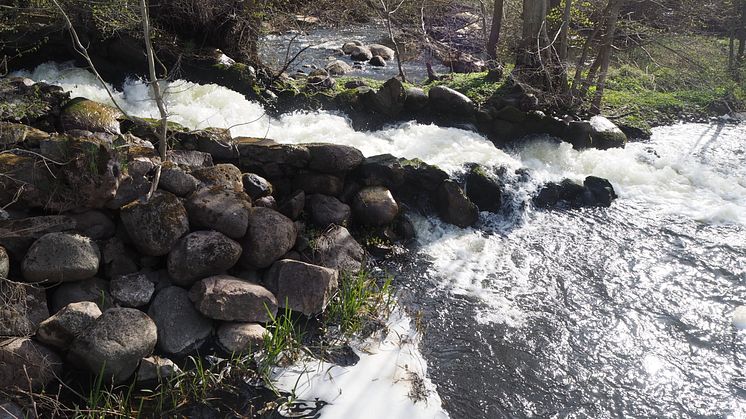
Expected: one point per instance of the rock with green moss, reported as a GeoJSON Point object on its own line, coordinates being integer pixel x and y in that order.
{"type": "Point", "coordinates": [224, 175]}
{"type": "Point", "coordinates": [12, 134]}
{"type": "Point", "coordinates": [401, 175]}
{"type": "Point", "coordinates": [157, 224]}
{"type": "Point", "coordinates": [83, 114]}
{"type": "Point", "coordinates": [35, 104]}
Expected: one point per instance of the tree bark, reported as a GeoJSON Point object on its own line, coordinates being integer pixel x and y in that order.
{"type": "Point", "coordinates": [534, 15]}
{"type": "Point", "coordinates": [497, 21]}
{"type": "Point", "coordinates": [615, 7]}
{"type": "Point", "coordinates": [564, 31]}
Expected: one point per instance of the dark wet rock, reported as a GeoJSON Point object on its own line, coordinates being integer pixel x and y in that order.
{"type": "Point", "coordinates": [483, 189]}
{"type": "Point", "coordinates": [578, 133]}
{"type": "Point", "coordinates": [133, 290]}
{"type": "Point", "coordinates": [337, 249]}
{"type": "Point", "coordinates": [25, 363]}
{"type": "Point", "coordinates": [228, 298]}
{"type": "Point", "coordinates": [220, 209]}
{"type": "Point", "coordinates": [201, 254]}
{"type": "Point", "coordinates": [605, 134]}
{"type": "Point", "coordinates": [95, 225]}
{"type": "Point", "coordinates": [325, 210]}
{"type": "Point", "coordinates": [156, 368]}
{"type": "Point", "coordinates": [227, 176]}
{"type": "Point", "coordinates": [118, 259]}
{"type": "Point", "coordinates": [293, 206]}
{"type": "Point", "coordinates": [61, 257]}
{"type": "Point", "coordinates": [256, 186]}
{"type": "Point", "coordinates": [177, 181]}
{"type": "Point", "coordinates": [35, 104]}
{"type": "Point", "coordinates": [181, 328]}
{"type": "Point", "coordinates": [83, 114]}
{"type": "Point", "coordinates": [601, 191]}
{"type": "Point", "coordinates": [401, 175]}
{"type": "Point", "coordinates": [416, 99]}
{"type": "Point", "coordinates": [22, 308]}
{"type": "Point", "coordinates": [388, 100]}
{"type": "Point", "coordinates": [71, 321]}
{"type": "Point", "coordinates": [319, 183]}
{"type": "Point", "coordinates": [511, 114]}
{"type": "Point", "coordinates": [115, 343]}
{"type": "Point", "coordinates": [156, 225]}
{"type": "Point", "coordinates": [241, 337]}
{"type": "Point", "coordinates": [95, 290]}
{"type": "Point", "coordinates": [454, 207]}
{"type": "Point", "coordinates": [377, 61]}
{"type": "Point", "coordinates": [375, 206]}
{"type": "Point", "coordinates": [382, 51]}
{"type": "Point", "coordinates": [302, 287]}
{"type": "Point", "coordinates": [269, 236]}
{"type": "Point", "coordinates": [447, 100]}
{"type": "Point", "coordinates": [215, 141]}
{"type": "Point", "coordinates": [333, 158]}
{"type": "Point", "coordinates": [360, 53]}
{"type": "Point", "coordinates": [263, 151]}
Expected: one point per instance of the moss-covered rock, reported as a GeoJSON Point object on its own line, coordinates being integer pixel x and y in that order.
{"type": "Point", "coordinates": [155, 225]}
{"type": "Point", "coordinates": [83, 114]}
{"type": "Point", "coordinates": [35, 104]}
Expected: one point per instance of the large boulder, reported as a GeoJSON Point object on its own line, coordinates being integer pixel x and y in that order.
{"type": "Point", "coordinates": [382, 51]}
{"type": "Point", "coordinates": [115, 343]}
{"type": "Point", "coordinates": [600, 190]}
{"type": "Point", "coordinates": [61, 257]}
{"type": "Point", "coordinates": [156, 225]}
{"type": "Point", "coordinates": [241, 337]}
{"type": "Point", "coordinates": [133, 290]}
{"type": "Point", "coordinates": [36, 104]}
{"type": "Point", "coordinates": [25, 363]}
{"type": "Point", "coordinates": [22, 308]}
{"type": "Point", "coordinates": [335, 248]}
{"type": "Point", "coordinates": [605, 134]}
{"type": "Point", "coordinates": [360, 53]}
{"type": "Point", "coordinates": [325, 210]}
{"type": "Point", "coordinates": [177, 181]}
{"type": "Point", "coordinates": [67, 324]}
{"type": "Point", "coordinates": [95, 290]}
{"type": "Point", "coordinates": [447, 100]}
{"type": "Point", "coordinates": [17, 235]}
{"type": "Point", "coordinates": [483, 189]}
{"type": "Point", "coordinates": [269, 236]}
{"type": "Point", "coordinates": [181, 328]}
{"type": "Point", "coordinates": [348, 47]}
{"type": "Point", "coordinates": [333, 158]}
{"type": "Point", "coordinates": [375, 206]}
{"type": "Point", "coordinates": [83, 114]}
{"type": "Point", "coordinates": [220, 209]}
{"type": "Point", "coordinates": [377, 61]}
{"type": "Point", "coordinates": [302, 287]}
{"type": "Point", "coordinates": [454, 207]}
{"type": "Point", "coordinates": [227, 298]}
{"type": "Point", "coordinates": [405, 177]}
{"type": "Point", "coordinates": [225, 175]}
{"type": "Point", "coordinates": [201, 254]}
{"type": "Point", "coordinates": [216, 141]}
{"type": "Point", "coordinates": [389, 100]}
{"type": "Point", "coordinates": [338, 68]}
{"type": "Point", "coordinates": [319, 183]}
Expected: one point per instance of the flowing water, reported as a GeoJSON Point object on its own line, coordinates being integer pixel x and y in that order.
{"type": "Point", "coordinates": [616, 312]}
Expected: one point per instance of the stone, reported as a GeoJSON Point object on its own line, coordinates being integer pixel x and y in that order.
{"type": "Point", "coordinates": [83, 114]}
{"type": "Point", "coordinates": [336, 248]}
{"type": "Point", "coordinates": [95, 290]}
{"type": "Point", "coordinates": [177, 181]}
{"type": "Point", "coordinates": [405, 177]}
{"type": "Point", "coordinates": [25, 363]}
{"type": "Point", "coordinates": [10, 410]}
{"type": "Point", "coordinates": [302, 287]}
{"type": "Point", "coordinates": [578, 133]}
{"type": "Point", "coordinates": [389, 100]}
{"type": "Point", "coordinates": [156, 225]}
{"type": "Point", "coordinates": [338, 68]}
{"type": "Point", "coordinates": [567, 193]}
{"type": "Point", "coordinates": [130, 189]}
{"type": "Point", "coordinates": [22, 308]}
{"type": "Point", "coordinates": [382, 51]}
{"type": "Point", "coordinates": [241, 337]}
{"type": "Point", "coordinates": [320, 83]}
{"type": "Point", "coordinates": [377, 61]}
{"type": "Point", "coordinates": [156, 368]}
{"type": "Point", "coordinates": [348, 47]}
{"type": "Point", "coordinates": [269, 236]}
{"type": "Point", "coordinates": [17, 235]}
{"type": "Point", "coordinates": [605, 134]}
{"type": "Point", "coordinates": [115, 343]}
{"type": "Point", "coordinates": [454, 207]}
{"type": "Point", "coordinates": [181, 328]}
{"type": "Point", "coordinates": [293, 206]}
{"type": "Point", "coordinates": [95, 225]}
{"type": "Point", "coordinates": [375, 206]}
{"type": "Point", "coordinates": [360, 53]}
{"type": "Point", "coordinates": [333, 158]}
{"type": "Point", "coordinates": [12, 134]}
{"type": "Point", "coordinates": [190, 158]}
{"type": "Point", "coordinates": [63, 327]}
{"type": "Point", "coordinates": [227, 176]}
{"type": "Point", "coordinates": [325, 210]}
{"type": "Point", "coordinates": [201, 254]}
{"type": "Point", "coordinates": [133, 290]}
{"type": "Point", "coordinates": [227, 298]}
{"type": "Point", "coordinates": [4, 263]}
{"type": "Point", "coordinates": [266, 202]}
{"type": "Point", "coordinates": [215, 141]}
{"type": "Point", "coordinates": [483, 189]}
{"type": "Point", "coordinates": [220, 209]}
{"type": "Point", "coordinates": [447, 100]}
{"type": "Point", "coordinates": [601, 191]}
{"type": "Point", "coordinates": [61, 257]}
{"type": "Point", "coordinates": [256, 186]}
{"type": "Point", "coordinates": [416, 99]}
{"type": "Point", "coordinates": [319, 183]}
{"type": "Point", "coordinates": [262, 150]}
{"type": "Point", "coordinates": [118, 259]}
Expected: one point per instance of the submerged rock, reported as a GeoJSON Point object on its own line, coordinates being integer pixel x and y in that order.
{"type": "Point", "coordinates": [61, 257]}
{"type": "Point", "coordinates": [601, 191]}
{"type": "Point", "coordinates": [67, 324]}
{"type": "Point", "coordinates": [302, 287]}
{"type": "Point", "coordinates": [227, 298]}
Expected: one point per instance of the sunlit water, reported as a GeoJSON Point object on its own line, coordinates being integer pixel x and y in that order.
{"type": "Point", "coordinates": [625, 311]}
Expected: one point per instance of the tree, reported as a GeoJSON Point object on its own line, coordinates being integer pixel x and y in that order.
{"type": "Point", "coordinates": [497, 21]}
{"type": "Point", "coordinates": [614, 8]}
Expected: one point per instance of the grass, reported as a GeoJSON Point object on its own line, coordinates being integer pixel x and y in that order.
{"type": "Point", "coordinates": [360, 300]}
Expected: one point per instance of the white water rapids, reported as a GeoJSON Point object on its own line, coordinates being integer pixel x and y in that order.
{"type": "Point", "coordinates": [608, 312]}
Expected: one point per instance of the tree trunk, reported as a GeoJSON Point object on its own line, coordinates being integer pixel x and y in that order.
{"type": "Point", "coordinates": [732, 51]}
{"type": "Point", "coordinates": [564, 41]}
{"type": "Point", "coordinates": [497, 21]}
{"type": "Point", "coordinates": [534, 14]}
{"type": "Point", "coordinates": [581, 61]}
{"type": "Point", "coordinates": [614, 9]}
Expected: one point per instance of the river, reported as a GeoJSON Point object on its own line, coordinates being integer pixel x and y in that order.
{"type": "Point", "coordinates": [611, 312]}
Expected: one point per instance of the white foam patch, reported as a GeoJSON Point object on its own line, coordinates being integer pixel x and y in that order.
{"type": "Point", "coordinates": [739, 317]}
{"type": "Point", "coordinates": [383, 384]}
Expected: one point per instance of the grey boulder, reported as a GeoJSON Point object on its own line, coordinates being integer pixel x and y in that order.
{"type": "Point", "coordinates": [61, 257]}
{"type": "Point", "coordinates": [64, 326]}
{"type": "Point", "coordinates": [241, 337]}
{"type": "Point", "coordinates": [227, 298]}
{"type": "Point", "coordinates": [269, 236]}
{"type": "Point", "coordinates": [156, 225]}
{"type": "Point", "coordinates": [221, 209]}
{"type": "Point", "coordinates": [181, 328]}
{"type": "Point", "coordinates": [325, 210]}
{"type": "Point", "coordinates": [382, 51]}
{"type": "Point", "coordinates": [302, 287]}
{"type": "Point", "coordinates": [454, 207]}
{"type": "Point", "coordinates": [132, 290]}
{"type": "Point", "coordinates": [375, 206]}
{"type": "Point", "coordinates": [201, 254]}
{"type": "Point", "coordinates": [445, 99]}
{"type": "Point", "coordinates": [337, 249]}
